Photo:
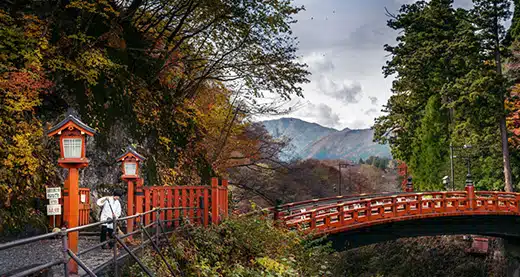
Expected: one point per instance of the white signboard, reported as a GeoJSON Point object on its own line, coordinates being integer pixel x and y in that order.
{"type": "Point", "coordinates": [53, 193]}
{"type": "Point", "coordinates": [54, 202]}
{"type": "Point", "coordinates": [83, 198]}
{"type": "Point", "coordinates": [53, 209]}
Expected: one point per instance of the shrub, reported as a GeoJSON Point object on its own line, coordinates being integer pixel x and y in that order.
{"type": "Point", "coordinates": [247, 246]}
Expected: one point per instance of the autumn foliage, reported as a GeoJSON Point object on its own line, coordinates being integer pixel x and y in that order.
{"type": "Point", "coordinates": [23, 153]}
{"type": "Point", "coordinates": [163, 72]}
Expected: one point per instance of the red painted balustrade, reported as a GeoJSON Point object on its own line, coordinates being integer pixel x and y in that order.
{"type": "Point", "coordinates": [361, 213]}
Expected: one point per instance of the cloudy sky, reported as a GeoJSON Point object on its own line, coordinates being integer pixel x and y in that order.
{"type": "Point", "coordinates": [342, 43]}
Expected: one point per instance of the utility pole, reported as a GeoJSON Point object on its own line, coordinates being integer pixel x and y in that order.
{"type": "Point", "coordinates": [341, 165]}
{"type": "Point", "coordinates": [451, 167]}
{"type": "Point", "coordinates": [339, 170]}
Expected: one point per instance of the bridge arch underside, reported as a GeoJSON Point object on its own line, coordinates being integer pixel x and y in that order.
{"type": "Point", "coordinates": [504, 226]}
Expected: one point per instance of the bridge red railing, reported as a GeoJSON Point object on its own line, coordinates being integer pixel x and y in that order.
{"type": "Point", "coordinates": [370, 211]}
{"type": "Point", "coordinates": [296, 207]}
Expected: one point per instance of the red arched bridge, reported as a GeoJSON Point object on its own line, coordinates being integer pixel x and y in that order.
{"type": "Point", "coordinates": [351, 221]}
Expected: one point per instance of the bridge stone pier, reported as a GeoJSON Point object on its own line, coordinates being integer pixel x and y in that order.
{"type": "Point", "coordinates": [359, 220]}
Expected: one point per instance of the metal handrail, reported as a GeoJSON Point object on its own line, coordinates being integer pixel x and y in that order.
{"type": "Point", "coordinates": [36, 269]}
{"type": "Point", "coordinates": [27, 240]}
{"type": "Point", "coordinates": [68, 254]}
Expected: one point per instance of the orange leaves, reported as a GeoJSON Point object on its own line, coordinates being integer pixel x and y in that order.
{"type": "Point", "coordinates": [21, 90]}
{"type": "Point", "coordinates": [402, 171]}
{"type": "Point", "coordinates": [512, 105]}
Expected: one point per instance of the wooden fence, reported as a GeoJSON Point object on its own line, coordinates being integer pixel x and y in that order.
{"type": "Point", "coordinates": [196, 204]}
{"type": "Point", "coordinates": [84, 208]}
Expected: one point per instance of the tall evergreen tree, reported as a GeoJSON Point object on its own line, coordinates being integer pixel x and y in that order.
{"type": "Point", "coordinates": [430, 149]}
{"type": "Point", "coordinates": [489, 16]}
{"type": "Point", "coordinates": [436, 47]}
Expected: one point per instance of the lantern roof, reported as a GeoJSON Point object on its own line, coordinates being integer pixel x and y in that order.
{"type": "Point", "coordinates": [71, 120]}
{"type": "Point", "coordinates": [130, 151]}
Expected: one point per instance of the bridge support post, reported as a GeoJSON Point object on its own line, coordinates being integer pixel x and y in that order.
{"type": "Point", "coordinates": [470, 190]}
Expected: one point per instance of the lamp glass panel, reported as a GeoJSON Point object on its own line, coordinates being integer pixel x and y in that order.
{"type": "Point", "coordinates": [72, 148]}
{"type": "Point", "coordinates": [130, 168]}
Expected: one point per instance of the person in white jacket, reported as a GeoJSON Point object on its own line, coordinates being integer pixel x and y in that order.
{"type": "Point", "coordinates": [111, 208]}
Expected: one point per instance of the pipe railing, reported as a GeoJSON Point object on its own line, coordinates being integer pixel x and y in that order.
{"type": "Point", "coordinates": [68, 255]}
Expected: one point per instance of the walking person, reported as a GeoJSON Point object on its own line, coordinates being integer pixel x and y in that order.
{"type": "Point", "coordinates": [111, 209]}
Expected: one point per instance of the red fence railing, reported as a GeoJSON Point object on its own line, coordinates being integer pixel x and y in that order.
{"type": "Point", "coordinates": [365, 212]}
{"type": "Point", "coordinates": [84, 209]}
{"type": "Point", "coordinates": [196, 204]}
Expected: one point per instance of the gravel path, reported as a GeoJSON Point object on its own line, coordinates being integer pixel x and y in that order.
{"type": "Point", "coordinates": [45, 251]}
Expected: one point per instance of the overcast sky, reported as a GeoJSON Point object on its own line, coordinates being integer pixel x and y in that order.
{"type": "Point", "coordinates": [342, 43]}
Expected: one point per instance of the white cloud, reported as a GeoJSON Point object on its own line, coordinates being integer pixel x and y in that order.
{"type": "Point", "coordinates": [321, 114]}
{"type": "Point", "coordinates": [342, 43]}
{"type": "Point", "coordinates": [345, 91]}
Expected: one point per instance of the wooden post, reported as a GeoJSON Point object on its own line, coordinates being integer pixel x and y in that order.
{"type": "Point", "coordinates": [214, 200]}
{"type": "Point", "coordinates": [130, 207]}
{"type": "Point", "coordinates": [176, 213]}
{"type": "Point", "coordinates": [147, 205]}
{"type": "Point", "coordinates": [139, 194]}
{"type": "Point", "coordinates": [66, 204]}
{"type": "Point", "coordinates": [225, 201]}
{"type": "Point", "coordinates": [206, 207]}
{"type": "Point", "coordinates": [169, 213]}
{"type": "Point", "coordinates": [470, 190]}
{"type": "Point", "coordinates": [73, 215]}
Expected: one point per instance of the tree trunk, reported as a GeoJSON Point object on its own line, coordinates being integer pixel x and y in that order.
{"type": "Point", "coordinates": [505, 155]}
{"type": "Point", "coordinates": [502, 115]}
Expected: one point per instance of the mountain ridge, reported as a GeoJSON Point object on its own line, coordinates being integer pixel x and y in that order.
{"type": "Point", "coordinates": [310, 140]}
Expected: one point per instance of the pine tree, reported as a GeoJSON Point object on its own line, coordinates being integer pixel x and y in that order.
{"type": "Point", "coordinates": [430, 150]}
{"type": "Point", "coordinates": [488, 17]}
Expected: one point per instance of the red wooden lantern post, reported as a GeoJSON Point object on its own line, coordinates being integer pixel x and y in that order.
{"type": "Point", "coordinates": [71, 133]}
{"type": "Point", "coordinates": [130, 163]}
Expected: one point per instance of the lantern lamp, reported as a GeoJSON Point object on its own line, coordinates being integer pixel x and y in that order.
{"type": "Point", "coordinates": [71, 133]}
{"type": "Point", "coordinates": [130, 163]}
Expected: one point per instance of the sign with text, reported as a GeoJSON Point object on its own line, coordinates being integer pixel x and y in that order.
{"type": "Point", "coordinates": [54, 202]}
{"type": "Point", "coordinates": [54, 193]}
{"type": "Point", "coordinates": [53, 209]}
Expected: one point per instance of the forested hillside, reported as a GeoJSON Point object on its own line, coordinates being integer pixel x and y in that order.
{"type": "Point", "coordinates": [175, 79]}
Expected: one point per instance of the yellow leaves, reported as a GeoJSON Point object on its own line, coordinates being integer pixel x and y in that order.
{"type": "Point", "coordinates": [100, 7]}
{"type": "Point", "coordinates": [272, 265]}
{"type": "Point", "coordinates": [87, 66]}
{"type": "Point", "coordinates": [164, 141]}
{"type": "Point", "coordinates": [21, 154]}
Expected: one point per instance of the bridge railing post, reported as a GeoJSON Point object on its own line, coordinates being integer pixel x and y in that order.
{"type": "Point", "coordinates": [341, 214]}
{"type": "Point", "coordinates": [313, 219]}
{"type": "Point", "coordinates": [470, 190]}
